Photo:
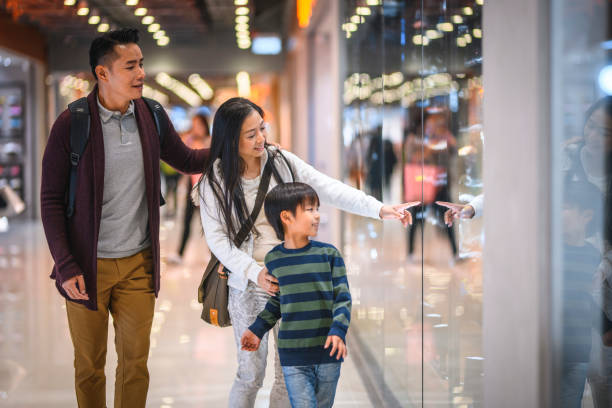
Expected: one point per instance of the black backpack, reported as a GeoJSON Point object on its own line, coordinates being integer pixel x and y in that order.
{"type": "Point", "coordinates": [80, 120]}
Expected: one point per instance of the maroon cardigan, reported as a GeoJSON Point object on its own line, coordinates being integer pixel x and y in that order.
{"type": "Point", "coordinates": [74, 242]}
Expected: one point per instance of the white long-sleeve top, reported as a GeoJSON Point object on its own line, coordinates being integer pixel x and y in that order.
{"type": "Point", "coordinates": [240, 260]}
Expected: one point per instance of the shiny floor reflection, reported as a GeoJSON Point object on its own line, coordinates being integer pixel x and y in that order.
{"type": "Point", "coordinates": [191, 364]}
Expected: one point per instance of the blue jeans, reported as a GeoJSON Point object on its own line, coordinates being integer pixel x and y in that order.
{"type": "Point", "coordinates": [312, 386]}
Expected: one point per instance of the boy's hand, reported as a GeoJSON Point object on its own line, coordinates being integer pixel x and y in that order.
{"type": "Point", "coordinates": [249, 341]}
{"type": "Point", "coordinates": [337, 344]}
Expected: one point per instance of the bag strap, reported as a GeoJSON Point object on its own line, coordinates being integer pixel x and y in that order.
{"type": "Point", "coordinates": [259, 200]}
{"type": "Point", "coordinates": [161, 123]}
{"type": "Point", "coordinates": [79, 136]}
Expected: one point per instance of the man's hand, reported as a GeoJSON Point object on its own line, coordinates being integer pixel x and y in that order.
{"type": "Point", "coordinates": [75, 288]}
{"type": "Point", "coordinates": [337, 344]}
{"type": "Point", "coordinates": [249, 341]}
{"type": "Point", "coordinates": [456, 211]}
{"type": "Point", "coordinates": [267, 282]}
{"type": "Point", "coordinates": [398, 212]}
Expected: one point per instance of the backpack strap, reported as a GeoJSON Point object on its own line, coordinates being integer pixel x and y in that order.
{"type": "Point", "coordinates": [79, 136]}
{"type": "Point", "coordinates": [161, 122]}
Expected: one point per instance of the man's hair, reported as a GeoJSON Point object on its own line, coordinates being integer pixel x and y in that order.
{"type": "Point", "coordinates": [102, 49]}
{"type": "Point", "coordinates": [287, 197]}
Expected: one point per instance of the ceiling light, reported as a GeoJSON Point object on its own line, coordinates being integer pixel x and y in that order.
{"type": "Point", "coordinates": [445, 26]}
{"type": "Point", "coordinates": [241, 2]}
{"type": "Point", "coordinates": [243, 80]}
{"type": "Point", "coordinates": [104, 27]}
{"type": "Point", "coordinates": [244, 43]}
{"type": "Point", "coordinates": [480, 2]}
{"type": "Point", "coordinates": [180, 89]}
{"type": "Point", "coordinates": [159, 34]}
{"type": "Point", "coordinates": [461, 42]}
{"type": "Point", "coordinates": [200, 85]}
{"type": "Point", "coordinates": [163, 41]}
{"type": "Point", "coordinates": [373, 2]}
{"type": "Point", "coordinates": [477, 33]}
{"type": "Point", "coordinates": [363, 11]}
{"type": "Point", "coordinates": [357, 19]}
{"type": "Point", "coordinates": [153, 28]}
{"type": "Point", "coordinates": [242, 11]}
{"type": "Point", "coordinates": [141, 11]}
{"type": "Point", "coordinates": [267, 45]}
{"type": "Point", "coordinates": [146, 20]}
{"type": "Point", "coordinates": [242, 19]}
{"type": "Point", "coordinates": [242, 27]}
{"type": "Point", "coordinates": [457, 19]}
{"type": "Point", "coordinates": [433, 34]}
{"type": "Point", "coordinates": [243, 34]}
{"type": "Point", "coordinates": [69, 2]}
{"type": "Point", "coordinates": [131, 2]}
{"type": "Point", "coordinates": [468, 11]}
{"type": "Point", "coordinates": [82, 10]}
{"type": "Point", "coordinates": [352, 27]}
{"type": "Point", "coordinates": [468, 38]}
{"type": "Point", "coordinates": [93, 19]}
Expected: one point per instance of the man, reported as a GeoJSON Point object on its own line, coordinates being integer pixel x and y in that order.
{"type": "Point", "coordinates": [107, 254]}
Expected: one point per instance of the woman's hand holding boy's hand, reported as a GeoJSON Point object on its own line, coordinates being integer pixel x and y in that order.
{"type": "Point", "coordinates": [337, 344]}
{"type": "Point", "coordinates": [249, 341]}
{"type": "Point", "coordinates": [267, 282]}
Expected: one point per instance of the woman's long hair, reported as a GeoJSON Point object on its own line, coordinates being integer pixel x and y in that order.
{"type": "Point", "coordinates": [228, 190]}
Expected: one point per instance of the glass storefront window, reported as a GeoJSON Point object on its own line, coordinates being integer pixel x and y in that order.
{"type": "Point", "coordinates": [582, 232]}
{"type": "Point", "coordinates": [412, 131]}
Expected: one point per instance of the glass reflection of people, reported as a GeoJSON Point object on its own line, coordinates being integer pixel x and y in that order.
{"type": "Point", "coordinates": [198, 137]}
{"type": "Point", "coordinates": [588, 159]}
{"type": "Point", "coordinates": [433, 154]}
{"type": "Point", "coordinates": [381, 161]}
{"type": "Point", "coordinates": [580, 219]}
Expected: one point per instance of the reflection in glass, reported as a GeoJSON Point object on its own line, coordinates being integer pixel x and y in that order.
{"type": "Point", "coordinates": [412, 131]}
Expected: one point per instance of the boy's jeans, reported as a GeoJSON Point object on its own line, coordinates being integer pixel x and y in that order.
{"type": "Point", "coordinates": [312, 386]}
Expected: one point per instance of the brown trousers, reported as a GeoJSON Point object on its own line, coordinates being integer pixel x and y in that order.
{"type": "Point", "coordinates": [125, 288]}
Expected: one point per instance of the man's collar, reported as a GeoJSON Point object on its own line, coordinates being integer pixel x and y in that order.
{"type": "Point", "coordinates": [106, 115]}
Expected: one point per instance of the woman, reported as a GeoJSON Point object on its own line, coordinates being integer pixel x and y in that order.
{"type": "Point", "coordinates": [228, 189]}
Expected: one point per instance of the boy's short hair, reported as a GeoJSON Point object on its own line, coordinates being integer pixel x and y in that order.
{"type": "Point", "coordinates": [287, 197]}
{"type": "Point", "coordinates": [103, 47]}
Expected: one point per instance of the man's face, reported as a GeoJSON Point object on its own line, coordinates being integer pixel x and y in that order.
{"type": "Point", "coordinates": [124, 74]}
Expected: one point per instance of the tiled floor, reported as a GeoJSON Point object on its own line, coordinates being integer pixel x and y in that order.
{"type": "Point", "coordinates": [191, 364]}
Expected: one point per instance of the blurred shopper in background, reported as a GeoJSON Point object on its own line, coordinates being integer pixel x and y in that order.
{"type": "Point", "coordinates": [107, 254]}
{"type": "Point", "coordinates": [198, 137]}
{"type": "Point", "coordinates": [228, 187]}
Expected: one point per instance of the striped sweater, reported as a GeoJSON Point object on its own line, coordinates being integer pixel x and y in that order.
{"type": "Point", "coordinates": [314, 302]}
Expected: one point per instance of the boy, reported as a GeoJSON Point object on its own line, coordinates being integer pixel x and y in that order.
{"type": "Point", "coordinates": [314, 299]}
{"type": "Point", "coordinates": [582, 206]}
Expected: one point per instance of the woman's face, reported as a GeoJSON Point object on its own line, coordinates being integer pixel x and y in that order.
{"type": "Point", "coordinates": [598, 131]}
{"type": "Point", "coordinates": [252, 137]}
{"type": "Point", "coordinates": [198, 127]}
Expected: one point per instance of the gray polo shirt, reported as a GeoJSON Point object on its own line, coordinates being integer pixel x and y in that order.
{"type": "Point", "coordinates": [124, 228]}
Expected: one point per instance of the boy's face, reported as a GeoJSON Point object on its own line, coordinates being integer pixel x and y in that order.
{"type": "Point", "coordinates": [304, 222]}
{"type": "Point", "coordinates": [575, 221]}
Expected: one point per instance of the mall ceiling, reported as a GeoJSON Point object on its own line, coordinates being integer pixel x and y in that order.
{"type": "Point", "coordinates": [201, 32]}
